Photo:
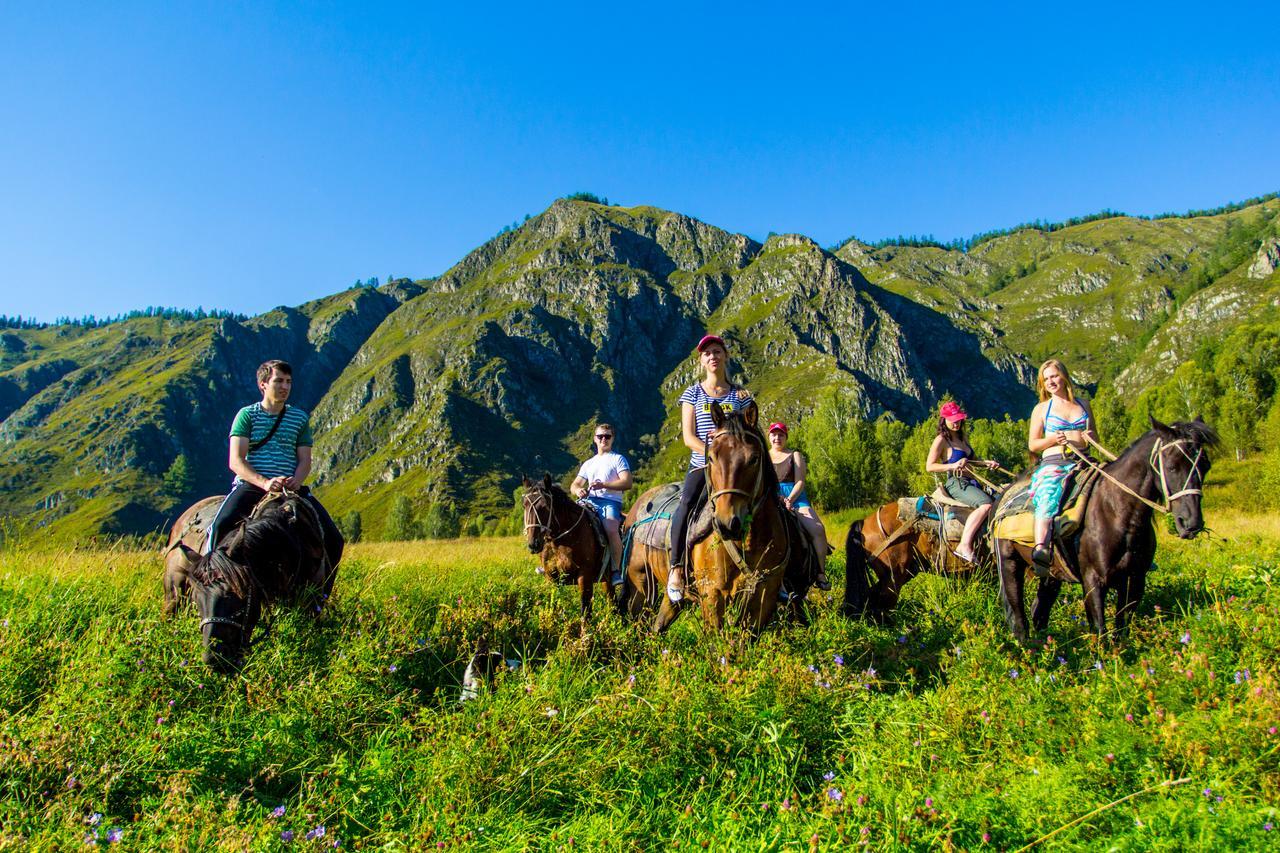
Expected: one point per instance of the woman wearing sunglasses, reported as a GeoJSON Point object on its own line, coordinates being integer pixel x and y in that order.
{"type": "Point", "coordinates": [601, 481]}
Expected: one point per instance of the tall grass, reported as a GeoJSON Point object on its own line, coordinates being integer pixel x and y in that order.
{"type": "Point", "coordinates": [932, 731]}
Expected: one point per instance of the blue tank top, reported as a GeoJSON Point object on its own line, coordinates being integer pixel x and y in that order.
{"type": "Point", "coordinates": [1055, 423]}
{"type": "Point", "coordinates": [956, 455]}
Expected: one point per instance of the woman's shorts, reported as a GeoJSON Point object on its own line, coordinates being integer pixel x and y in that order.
{"type": "Point", "coordinates": [784, 489]}
{"type": "Point", "coordinates": [967, 492]}
{"type": "Point", "coordinates": [606, 508]}
{"type": "Point", "coordinates": [1046, 487]}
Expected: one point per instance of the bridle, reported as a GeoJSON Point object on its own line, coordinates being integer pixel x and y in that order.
{"type": "Point", "coordinates": [531, 508]}
{"type": "Point", "coordinates": [242, 614]}
{"type": "Point", "coordinates": [756, 496]}
{"type": "Point", "coordinates": [1155, 461]}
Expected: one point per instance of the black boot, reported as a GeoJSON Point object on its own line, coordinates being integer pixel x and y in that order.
{"type": "Point", "coordinates": [1041, 560]}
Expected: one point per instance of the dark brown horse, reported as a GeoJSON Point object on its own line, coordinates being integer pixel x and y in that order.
{"type": "Point", "coordinates": [567, 539]}
{"type": "Point", "coordinates": [276, 554]}
{"type": "Point", "coordinates": [882, 553]}
{"type": "Point", "coordinates": [752, 545]}
{"type": "Point", "coordinates": [1165, 470]}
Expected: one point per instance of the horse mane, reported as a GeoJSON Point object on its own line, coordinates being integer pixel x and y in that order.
{"type": "Point", "coordinates": [263, 551]}
{"type": "Point", "coordinates": [1196, 432]}
{"type": "Point", "coordinates": [559, 497]}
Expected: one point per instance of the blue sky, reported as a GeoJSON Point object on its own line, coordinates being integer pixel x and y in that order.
{"type": "Point", "coordinates": [243, 156]}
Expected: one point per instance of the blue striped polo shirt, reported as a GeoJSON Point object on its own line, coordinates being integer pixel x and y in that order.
{"type": "Point", "coordinates": [279, 456]}
{"type": "Point", "coordinates": [702, 402]}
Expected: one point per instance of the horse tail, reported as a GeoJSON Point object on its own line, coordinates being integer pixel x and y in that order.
{"type": "Point", "coordinates": [857, 586]}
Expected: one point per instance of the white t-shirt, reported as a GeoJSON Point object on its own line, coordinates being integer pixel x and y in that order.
{"type": "Point", "coordinates": [606, 467]}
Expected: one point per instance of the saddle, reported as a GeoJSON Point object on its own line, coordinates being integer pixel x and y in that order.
{"type": "Point", "coordinates": [602, 538]}
{"type": "Point", "coordinates": [937, 513]}
{"type": "Point", "coordinates": [652, 526]}
{"type": "Point", "coordinates": [1014, 517]}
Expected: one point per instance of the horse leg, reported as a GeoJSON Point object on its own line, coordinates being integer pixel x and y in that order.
{"type": "Point", "coordinates": [667, 613]}
{"type": "Point", "coordinates": [586, 587]}
{"type": "Point", "coordinates": [1133, 589]}
{"type": "Point", "coordinates": [1095, 603]}
{"type": "Point", "coordinates": [857, 588]}
{"type": "Point", "coordinates": [1046, 595]}
{"type": "Point", "coordinates": [1012, 576]}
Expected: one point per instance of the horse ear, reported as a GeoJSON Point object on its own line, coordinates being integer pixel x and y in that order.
{"type": "Point", "coordinates": [717, 415]}
{"type": "Point", "coordinates": [1157, 426]}
{"type": "Point", "coordinates": [190, 553]}
{"type": "Point", "coordinates": [751, 414]}
{"type": "Point", "coordinates": [546, 479]}
{"type": "Point", "coordinates": [525, 481]}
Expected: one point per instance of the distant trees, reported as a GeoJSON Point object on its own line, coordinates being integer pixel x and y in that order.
{"type": "Point", "coordinates": [89, 321]}
{"type": "Point", "coordinates": [178, 480]}
{"type": "Point", "coordinates": [352, 526]}
{"type": "Point", "coordinates": [438, 521]}
{"type": "Point", "coordinates": [399, 525]}
{"type": "Point", "coordinates": [588, 197]}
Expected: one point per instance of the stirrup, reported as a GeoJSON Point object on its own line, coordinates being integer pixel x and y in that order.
{"type": "Point", "coordinates": [1041, 560]}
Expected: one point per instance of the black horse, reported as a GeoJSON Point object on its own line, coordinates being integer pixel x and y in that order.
{"type": "Point", "coordinates": [1164, 469]}
{"type": "Point", "coordinates": [277, 554]}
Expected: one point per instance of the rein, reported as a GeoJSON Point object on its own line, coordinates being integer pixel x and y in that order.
{"type": "Point", "coordinates": [1155, 461]}
{"type": "Point", "coordinates": [757, 497]}
{"type": "Point", "coordinates": [531, 508]}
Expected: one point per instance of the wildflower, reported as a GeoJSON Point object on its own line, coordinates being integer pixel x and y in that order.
{"type": "Point", "coordinates": [1109, 758]}
{"type": "Point", "coordinates": [1151, 670]}
{"type": "Point", "coordinates": [94, 819]}
{"type": "Point", "coordinates": [1097, 665]}
{"type": "Point", "coordinates": [159, 721]}
{"type": "Point", "coordinates": [71, 781]}
{"type": "Point", "coordinates": [902, 640]}
{"type": "Point", "coordinates": [1128, 718]}
{"type": "Point", "coordinates": [631, 680]}
{"type": "Point", "coordinates": [1062, 661]}
{"type": "Point", "coordinates": [1207, 793]}
{"type": "Point", "coordinates": [871, 672]}
{"type": "Point", "coordinates": [391, 668]}
{"type": "Point", "coordinates": [785, 805]}
{"type": "Point", "coordinates": [928, 802]}
{"type": "Point", "coordinates": [865, 831]}
{"type": "Point", "coordinates": [1013, 673]}
{"type": "Point", "coordinates": [551, 712]}
{"type": "Point", "coordinates": [835, 794]}
{"type": "Point", "coordinates": [723, 662]}
{"type": "Point", "coordinates": [828, 776]}
{"type": "Point", "coordinates": [861, 800]}
{"type": "Point", "coordinates": [956, 651]}
{"type": "Point", "coordinates": [318, 832]}
{"type": "Point", "coordinates": [91, 838]}
{"type": "Point", "coordinates": [1267, 827]}
{"type": "Point", "coordinates": [1186, 638]}
{"type": "Point", "coordinates": [1271, 730]}
{"type": "Point", "coordinates": [278, 812]}
{"type": "Point", "coordinates": [986, 838]}
{"type": "Point", "coordinates": [839, 659]}
{"type": "Point", "coordinates": [286, 835]}
{"type": "Point", "coordinates": [114, 835]}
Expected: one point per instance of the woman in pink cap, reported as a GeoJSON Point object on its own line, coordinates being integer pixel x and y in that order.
{"type": "Point", "coordinates": [697, 429]}
{"type": "Point", "coordinates": [951, 454]}
{"type": "Point", "coordinates": [790, 467]}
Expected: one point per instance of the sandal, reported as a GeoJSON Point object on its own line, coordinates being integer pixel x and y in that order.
{"type": "Point", "coordinates": [966, 556]}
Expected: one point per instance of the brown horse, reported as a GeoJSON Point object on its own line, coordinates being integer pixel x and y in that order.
{"type": "Point", "coordinates": [882, 553]}
{"type": "Point", "coordinates": [751, 545]}
{"type": "Point", "coordinates": [189, 530]}
{"type": "Point", "coordinates": [567, 538]}
{"type": "Point", "coordinates": [1165, 470]}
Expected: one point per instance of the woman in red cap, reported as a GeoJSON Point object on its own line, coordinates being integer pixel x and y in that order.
{"type": "Point", "coordinates": [951, 454]}
{"type": "Point", "coordinates": [790, 467]}
{"type": "Point", "coordinates": [697, 429]}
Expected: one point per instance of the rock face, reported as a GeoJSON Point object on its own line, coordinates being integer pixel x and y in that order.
{"type": "Point", "coordinates": [1266, 261]}
{"type": "Point", "coordinates": [446, 390]}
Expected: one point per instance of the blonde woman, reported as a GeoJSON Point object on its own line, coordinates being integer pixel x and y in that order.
{"type": "Point", "coordinates": [1060, 420]}
{"type": "Point", "coordinates": [697, 430]}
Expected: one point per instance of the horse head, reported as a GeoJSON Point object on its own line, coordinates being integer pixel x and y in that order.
{"type": "Point", "coordinates": [739, 474]}
{"type": "Point", "coordinates": [1181, 464]}
{"type": "Point", "coordinates": [539, 512]}
{"type": "Point", "coordinates": [229, 605]}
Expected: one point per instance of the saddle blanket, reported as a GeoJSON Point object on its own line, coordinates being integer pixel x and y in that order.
{"type": "Point", "coordinates": [1015, 520]}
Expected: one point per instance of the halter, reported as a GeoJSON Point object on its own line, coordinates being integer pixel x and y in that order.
{"type": "Point", "coordinates": [757, 497]}
{"type": "Point", "coordinates": [242, 613]}
{"type": "Point", "coordinates": [1155, 461]}
{"type": "Point", "coordinates": [545, 527]}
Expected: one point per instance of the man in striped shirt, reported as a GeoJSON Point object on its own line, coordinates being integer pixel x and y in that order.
{"type": "Point", "coordinates": [270, 451]}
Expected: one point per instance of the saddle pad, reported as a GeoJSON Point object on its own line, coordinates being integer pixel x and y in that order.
{"type": "Point", "coordinates": [653, 520]}
{"type": "Point", "coordinates": [1015, 519]}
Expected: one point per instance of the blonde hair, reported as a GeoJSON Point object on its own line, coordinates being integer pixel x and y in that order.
{"type": "Point", "coordinates": [1066, 378]}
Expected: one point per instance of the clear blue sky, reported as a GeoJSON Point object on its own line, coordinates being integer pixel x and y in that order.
{"type": "Point", "coordinates": [242, 156]}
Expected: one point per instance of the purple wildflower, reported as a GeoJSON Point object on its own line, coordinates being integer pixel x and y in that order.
{"type": "Point", "coordinates": [391, 668]}
{"type": "Point", "coordinates": [1186, 638]}
{"type": "Point", "coordinates": [318, 832]}
{"type": "Point", "coordinates": [114, 835]}
{"type": "Point", "coordinates": [1207, 793]}
{"type": "Point", "coordinates": [1062, 661]}
{"type": "Point", "coordinates": [95, 819]}
{"type": "Point", "coordinates": [286, 835]}
{"type": "Point", "coordinates": [1267, 827]}
{"type": "Point", "coordinates": [1013, 673]}
{"type": "Point", "coordinates": [835, 794]}
{"type": "Point", "coordinates": [828, 776]}
{"type": "Point", "coordinates": [902, 640]}
{"type": "Point", "coordinates": [1097, 665]}
{"type": "Point", "coordinates": [278, 812]}
{"type": "Point", "coordinates": [928, 802]}
{"type": "Point", "coordinates": [839, 659]}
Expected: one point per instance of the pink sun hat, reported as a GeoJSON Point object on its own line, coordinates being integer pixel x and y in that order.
{"type": "Point", "coordinates": [951, 411]}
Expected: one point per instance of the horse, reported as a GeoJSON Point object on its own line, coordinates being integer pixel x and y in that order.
{"type": "Point", "coordinates": [894, 551]}
{"type": "Point", "coordinates": [569, 542]}
{"type": "Point", "coordinates": [752, 543]}
{"type": "Point", "coordinates": [276, 554]}
{"type": "Point", "coordinates": [1163, 470]}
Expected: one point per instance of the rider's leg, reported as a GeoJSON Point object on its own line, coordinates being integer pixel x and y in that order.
{"type": "Point", "coordinates": [333, 540]}
{"type": "Point", "coordinates": [971, 526]}
{"type": "Point", "coordinates": [809, 519]}
{"type": "Point", "coordinates": [235, 508]}
{"type": "Point", "coordinates": [694, 483]}
{"type": "Point", "coordinates": [612, 528]}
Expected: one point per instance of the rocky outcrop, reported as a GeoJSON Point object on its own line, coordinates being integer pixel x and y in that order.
{"type": "Point", "coordinates": [1266, 261]}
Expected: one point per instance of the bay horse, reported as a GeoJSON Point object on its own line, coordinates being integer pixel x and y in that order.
{"type": "Point", "coordinates": [879, 549]}
{"type": "Point", "coordinates": [751, 545]}
{"type": "Point", "coordinates": [189, 531]}
{"type": "Point", "coordinates": [569, 543]}
{"type": "Point", "coordinates": [1163, 470]}
{"type": "Point", "coordinates": [276, 554]}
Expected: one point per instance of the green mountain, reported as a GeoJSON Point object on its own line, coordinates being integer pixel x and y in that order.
{"type": "Point", "coordinates": [447, 389]}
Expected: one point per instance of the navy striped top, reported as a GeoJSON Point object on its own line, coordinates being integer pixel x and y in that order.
{"type": "Point", "coordinates": [702, 402]}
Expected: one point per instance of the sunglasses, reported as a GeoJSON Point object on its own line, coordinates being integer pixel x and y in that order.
{"type": "Point", "coordinates": [604, 435]}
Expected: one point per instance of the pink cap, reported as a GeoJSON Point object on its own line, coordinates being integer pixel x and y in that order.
{"type": "Point", "coordinates": [778, 426]}
{"type": "Point", "coordinates": [708, 340]}
{"type": "Point", "coordinates": [951, 411]}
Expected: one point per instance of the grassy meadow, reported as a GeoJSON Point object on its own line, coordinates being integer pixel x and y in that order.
{"type": "Point", "coordinates": [934, 731]}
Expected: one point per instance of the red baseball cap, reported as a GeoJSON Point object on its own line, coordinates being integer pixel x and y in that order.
{"type": "Point", "coordinates": [951, 411]}
{"type": "Point", "coordinates": [778, 426]}
{"type": "Point", "coordinates": [708, 340]}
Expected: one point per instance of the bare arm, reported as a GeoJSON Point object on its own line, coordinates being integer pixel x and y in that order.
{"type": "Point", "coordinates": [621, 484]}
{"type": "Point", "coordinates": [689, 428]}
{"type": "Point", "coordinates": [802, 471]}
{"type": "Point", "coordinates": [238, 462]}
{"type": "Point", "coordinates": [300, 473]}
{"type": "Point", "coordinates": [1037, 442]}
{"type": "Point", "coordinates": [578, 487]}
